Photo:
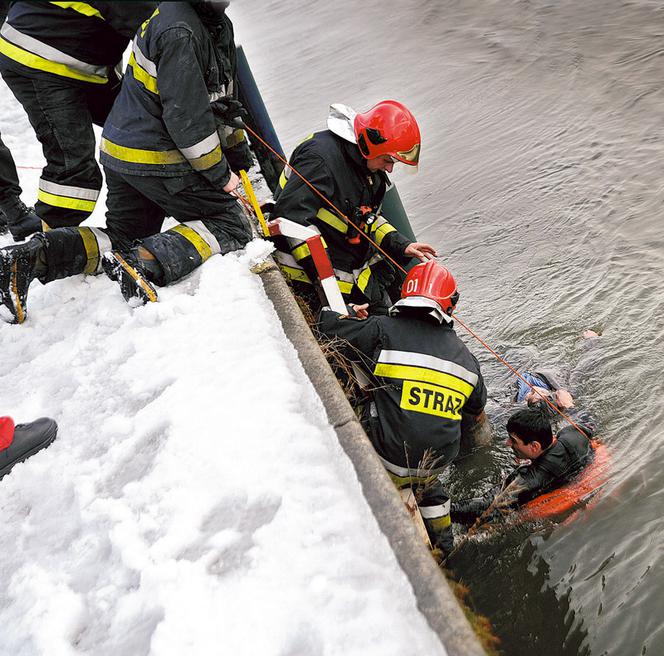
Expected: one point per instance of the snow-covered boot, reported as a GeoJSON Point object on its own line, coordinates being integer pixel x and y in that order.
{"type": "Point", "coordinates": [128, 270]}
{"type": "Point", "coordinates": [21, 220]}
{"type": "Point", "coordinates": [17, 443]}
{"type": "Point", "coordinates": [19, 266]}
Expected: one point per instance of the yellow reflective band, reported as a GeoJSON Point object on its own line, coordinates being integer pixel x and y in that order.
{"type": "Point", "coordinates": [439, 522]}
{"type": "Point", "coordinates": [294, 274]}
{"type": "Point", "coordinates": [138, 156]}
{"type": "Point", "coordinates": [144, 24]}
{"type": "Point", "coordinates": [205, 162]}
{"type": "Point", "coordinates": [382, 232]}
{"type": "Point", "coordinates": [407, 481]}
{"type": "Point", "coordinates": [142, 76]}
{"type": "Point", "coordinates": [345, 287]}
{"type": "Point", "coordinates": [431, 400]}
{"type": "Point", "coordinates": [283, 179]}
{"type": "Point", "coordinates": [41, 64]}
{"type": "Point", "coordinates": [80, 7]}
{"type": "Point", "coordinates": [91, 250]}
{"type": "Point", "coordinates": [301, 252]}
{"type": "Point", "coordinates": [234, 138]}
{"type": "Point", "coordinates": [363, 279]}
{"type": "Point", "coordinates": [422, 375]}
{"type": "Point", "coordinates": [194, 238]}
{"type": "Point", "coordinates": [332, 220]}
{"type": "Point", "coordinates": [66, 201]}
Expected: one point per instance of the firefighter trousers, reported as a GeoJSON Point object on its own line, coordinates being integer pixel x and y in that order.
{"type": "Point", "coordinates": [9, 187]}
{"type": "Point", "coordinates": [61, 114]}
{"type": "Point", "coordinates": [210, 222]}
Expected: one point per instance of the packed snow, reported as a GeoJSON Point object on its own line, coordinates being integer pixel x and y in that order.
{"type": "Point", "coordinates": [196, 500]}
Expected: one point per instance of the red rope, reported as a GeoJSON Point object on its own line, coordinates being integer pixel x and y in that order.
{"type": "Point", "coordinates": [456, 318]}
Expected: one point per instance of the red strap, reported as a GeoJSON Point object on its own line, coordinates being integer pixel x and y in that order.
{"type": "Point", "coordinates": [6, 432]}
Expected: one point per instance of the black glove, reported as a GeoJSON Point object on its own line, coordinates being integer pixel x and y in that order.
{"type": "Point", "coordinates": [466, 511]}
{"type": "Point", "coordinates": [239, 156]}
{"type": "Point", "coordinates": [227, 110]}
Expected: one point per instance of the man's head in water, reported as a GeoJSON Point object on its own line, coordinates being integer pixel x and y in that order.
{"type": "Point", "coordinates": [529, 431]}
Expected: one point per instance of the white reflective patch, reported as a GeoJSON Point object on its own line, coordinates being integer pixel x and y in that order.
{"type": "Point", "coordinates": [434, 512]}
{"type": "Point", "coordinates": [48, 52]}
{"type": "Point", "coordinates": [203, 147]}
{"type": "Point", "coordinates": [147, 65]}
{"type": "Point", "coordinates": [209, 238]}
{"type": "Point", "coordinates": [103, 243]}
{"type": "Point", "coordinates": [344, 276]}
{"type": "Point", "coordinates": [66, 190]}
{"type": "Point", "coordinates": [215, 95]}
{"type": "Point", "coordinates": [286, 259]}
{"type": "Point", "coordinates": [428, 362]}
{"type": "Point", "coordinates": [405, 471]}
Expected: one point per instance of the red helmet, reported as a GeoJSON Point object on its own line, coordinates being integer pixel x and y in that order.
{"type": "Point", "coordinates": [388, 128]}
{"type": "Point", "coordinates": [430, 286]}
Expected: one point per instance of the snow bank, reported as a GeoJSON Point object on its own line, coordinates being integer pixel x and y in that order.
{"type": "Point", "coordinates": [196, 501]}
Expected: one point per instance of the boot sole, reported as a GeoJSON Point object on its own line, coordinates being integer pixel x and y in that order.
{"type": "Point", "coordinates": [20, 312]}
{"type": "Point", "coordinates": [45, 444]}
{"type": "Point", "coordinates": [149, 294]}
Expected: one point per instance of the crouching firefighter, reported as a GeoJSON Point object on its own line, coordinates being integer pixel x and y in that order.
{"type": "Point", "coordinates": [162, 156]}
{"type": "Point", "coordinates": [423, 379]}
{"type": "Point", "coordinates": [348, 164]}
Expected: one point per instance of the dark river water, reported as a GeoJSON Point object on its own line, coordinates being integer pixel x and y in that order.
{"type": "Point", "coordinates": [542, 185]}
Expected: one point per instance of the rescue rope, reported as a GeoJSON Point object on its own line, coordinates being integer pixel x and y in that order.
{"type": "Point", "coordinates": [373, 243]}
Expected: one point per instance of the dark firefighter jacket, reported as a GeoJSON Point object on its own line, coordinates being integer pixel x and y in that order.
{"type": "Point", "coordinates": [336, 168]}
{"type": "Point", "coordinates": [556, 466]}
{"type": "Point", "coordinates": [423, 377]}
{"type": "Point", "coordinates": [76, 41]}
{"type": "Point", "coordinates": [162, 123]}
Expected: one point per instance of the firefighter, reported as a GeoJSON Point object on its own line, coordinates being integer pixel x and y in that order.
{"type": "Point", "coordinates": [14, 215]}
{"type": "Point", "coordinates": [59, 60]}
{"type": "Point", "coordinates": [19, 442]}
{"type": "Point", "coordinates": [423, 380]}
{"type": "Point", "coordinates": [348, 163]}
{"type": "Point", "coordinates": [162, 156]}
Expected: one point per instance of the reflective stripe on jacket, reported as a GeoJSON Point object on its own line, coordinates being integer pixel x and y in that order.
{"type": "Point", "coordinates": [162, 123]}
{"type": "Point", "coordinates": [78, 41]}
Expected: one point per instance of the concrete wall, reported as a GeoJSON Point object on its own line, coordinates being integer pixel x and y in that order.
{"type": "Point", "coordinates": [434, 598]}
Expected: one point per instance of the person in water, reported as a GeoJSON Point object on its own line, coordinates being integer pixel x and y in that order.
{"type": "Point", "coordinates": [546, 460]}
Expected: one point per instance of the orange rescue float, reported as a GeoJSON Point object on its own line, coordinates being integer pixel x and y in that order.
{"type": "Point", "coordinates": [564, 499]}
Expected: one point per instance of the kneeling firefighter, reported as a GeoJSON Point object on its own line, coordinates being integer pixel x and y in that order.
{"type": "Point", "coordinates": [162, 155]}
{"type": "Point", "coordinates": [423, 380]}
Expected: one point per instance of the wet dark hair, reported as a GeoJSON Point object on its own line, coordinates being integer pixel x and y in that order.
{"type": "Point", "coordinates": [532, 424]}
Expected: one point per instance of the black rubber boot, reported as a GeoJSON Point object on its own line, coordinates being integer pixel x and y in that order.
{"type": "Point", "coordinates": [3, 223]}
{"type": "Point", "coordinates": [127, 270]}
{"type": "Point", "coordinates": [28, 439]}
{"type": "Point", "coordinates": [21, 220]}
{"type": "Point", "coordinates": [19, 266]}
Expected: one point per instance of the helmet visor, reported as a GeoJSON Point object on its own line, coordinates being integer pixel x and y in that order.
{"type": "Point", "coordinates": [411, 157]}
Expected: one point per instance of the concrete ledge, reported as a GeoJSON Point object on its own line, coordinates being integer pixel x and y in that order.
{"type": "Point", "coordinates": [435, 600]}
